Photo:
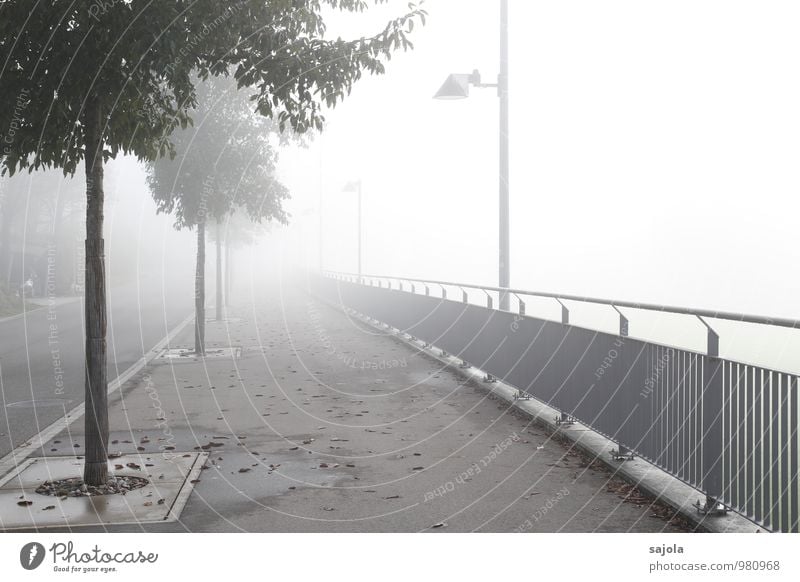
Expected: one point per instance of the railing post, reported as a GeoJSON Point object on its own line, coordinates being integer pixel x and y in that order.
{"type": "Point", "coordinates": [427, 291]}
{"type": "Point", "coordinates": [712, 346]}
{"type": "Point", "coordinates": [464, 296]}
{"type": "Point", "coordinates": [444, 292]}
{"type": "Point", "coordinates": [622, 453]}
{"type": "Point", "coordinates": [624, 328]}
{"type": "Point", "coordinates": [564, 312]}
{"type": "Point", "coordinates": [488, 299]}
{"type": "Point", "coordinates": [711, 436]}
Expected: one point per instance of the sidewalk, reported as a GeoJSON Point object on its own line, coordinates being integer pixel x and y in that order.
{"type": "Point", "coordinates": [323, 425]}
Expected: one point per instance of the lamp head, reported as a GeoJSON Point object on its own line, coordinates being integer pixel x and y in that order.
{"type": "Point", "coordinates": [352, 187]}
{"type": "Point", "coordinates": [457, 86]}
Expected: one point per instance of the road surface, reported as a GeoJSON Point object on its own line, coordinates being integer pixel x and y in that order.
{"type": "Point", "coordinates": [41, 352]}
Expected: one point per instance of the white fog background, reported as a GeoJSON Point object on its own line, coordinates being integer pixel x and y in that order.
{"type": "Point", "coordinates": [654, 158]}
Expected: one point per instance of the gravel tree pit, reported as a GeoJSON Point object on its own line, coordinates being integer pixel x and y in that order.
{"type": "Point", "coordinates": [75, 487]}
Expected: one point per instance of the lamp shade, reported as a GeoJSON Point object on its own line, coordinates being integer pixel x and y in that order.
{"type": "Point", "coordinates": [351, 187]}
{"type": "Point", "coordinates": [455, 87]}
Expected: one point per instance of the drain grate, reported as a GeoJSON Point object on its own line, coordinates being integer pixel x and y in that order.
{"type": "Point", "coordinates": [188, 354]}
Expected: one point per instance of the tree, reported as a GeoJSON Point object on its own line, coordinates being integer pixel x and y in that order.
{"type": "Point", "coordinates": [224, 162]}
{"type": "Point", "coordinates": [237, 230]}
{"type": "Point", "coordinates": [76, 79]}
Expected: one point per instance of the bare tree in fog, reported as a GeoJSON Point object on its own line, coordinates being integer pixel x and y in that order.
{"type": "Point", "coordinates": [224, 162]}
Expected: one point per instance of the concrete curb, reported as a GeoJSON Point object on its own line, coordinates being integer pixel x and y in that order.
{"type": "Point", "coordinates": [651, 480]}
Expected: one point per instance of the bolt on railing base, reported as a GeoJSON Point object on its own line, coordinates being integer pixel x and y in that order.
{"type": "Point", "coordinates": [464, 365]}
{"type": "Point", "coordinates": [565, 419]}
{"type": "Point", "coordinates": [712, 507]}
{"type": "Point", "coordinates": [520, 395]}
{"type": "Point", "coordinates": [621, 454]}
{"type": "Point", "coordinates": [489, 379]}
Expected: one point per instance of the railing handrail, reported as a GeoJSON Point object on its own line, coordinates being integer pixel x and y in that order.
{"type": "Point", "coordinates": [725, 315]}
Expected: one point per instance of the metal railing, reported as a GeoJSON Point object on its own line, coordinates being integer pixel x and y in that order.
{"type": "Point", "coordinates": [727, 428]}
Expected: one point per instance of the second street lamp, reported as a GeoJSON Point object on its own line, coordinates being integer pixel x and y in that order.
{"type": "Point", "coordinates": [457, 87]}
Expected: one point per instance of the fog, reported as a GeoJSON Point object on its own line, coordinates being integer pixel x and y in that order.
{"type": "Point", "coordinates": [652, 154]}
{"type": "Point", "coordinates": [653, 159]}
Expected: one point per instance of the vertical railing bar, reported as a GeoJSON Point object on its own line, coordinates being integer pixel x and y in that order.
{"type": "Point", "coordinates": [668, 413]}
{"type": "Point", "coordinates": [755, 415]}
{"type": "Point", "coordinates": [727, 435]}
{"type": "Point", "coordinates": [794, 457]}
{"type": "Point", "coordinates": [741, 436]}
{"type": "Point", "coordinates": [776, 450]}
{"type": "Point", "coordinates": [685, 407]}
{"type": "Point", "coordinates": [785, 440]}
{"type": "Point", "coordinates": [687, 411]}
{"type": "Point", "coordinates": [759, 446]}
{"type": "Point", "coordinates": [662, 403]}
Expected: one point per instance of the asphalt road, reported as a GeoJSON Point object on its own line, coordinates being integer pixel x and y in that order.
{"type": "Point", "coordinates": [41, 353]}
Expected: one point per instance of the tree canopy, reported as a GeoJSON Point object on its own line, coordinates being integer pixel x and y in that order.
{"type": "Point", "coordinates": [225, 160]}
{"type": "Point", "coordinates": [137, 60]}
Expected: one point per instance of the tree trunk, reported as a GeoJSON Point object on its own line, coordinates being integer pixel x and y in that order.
{"type": "Point", "coordinates": [227, 274]}
{"type": "Point", "coordinates": [200, 291]}
{"type": "Point", "coordinates": [95, 470]}
{"type": "Point", "coordinates": [219, 274]}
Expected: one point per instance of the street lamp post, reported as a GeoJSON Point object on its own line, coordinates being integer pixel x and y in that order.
{"type": "Point", "coordinates": [355, 187]}
{"type": "Point", "coordinates": [457, 87]}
